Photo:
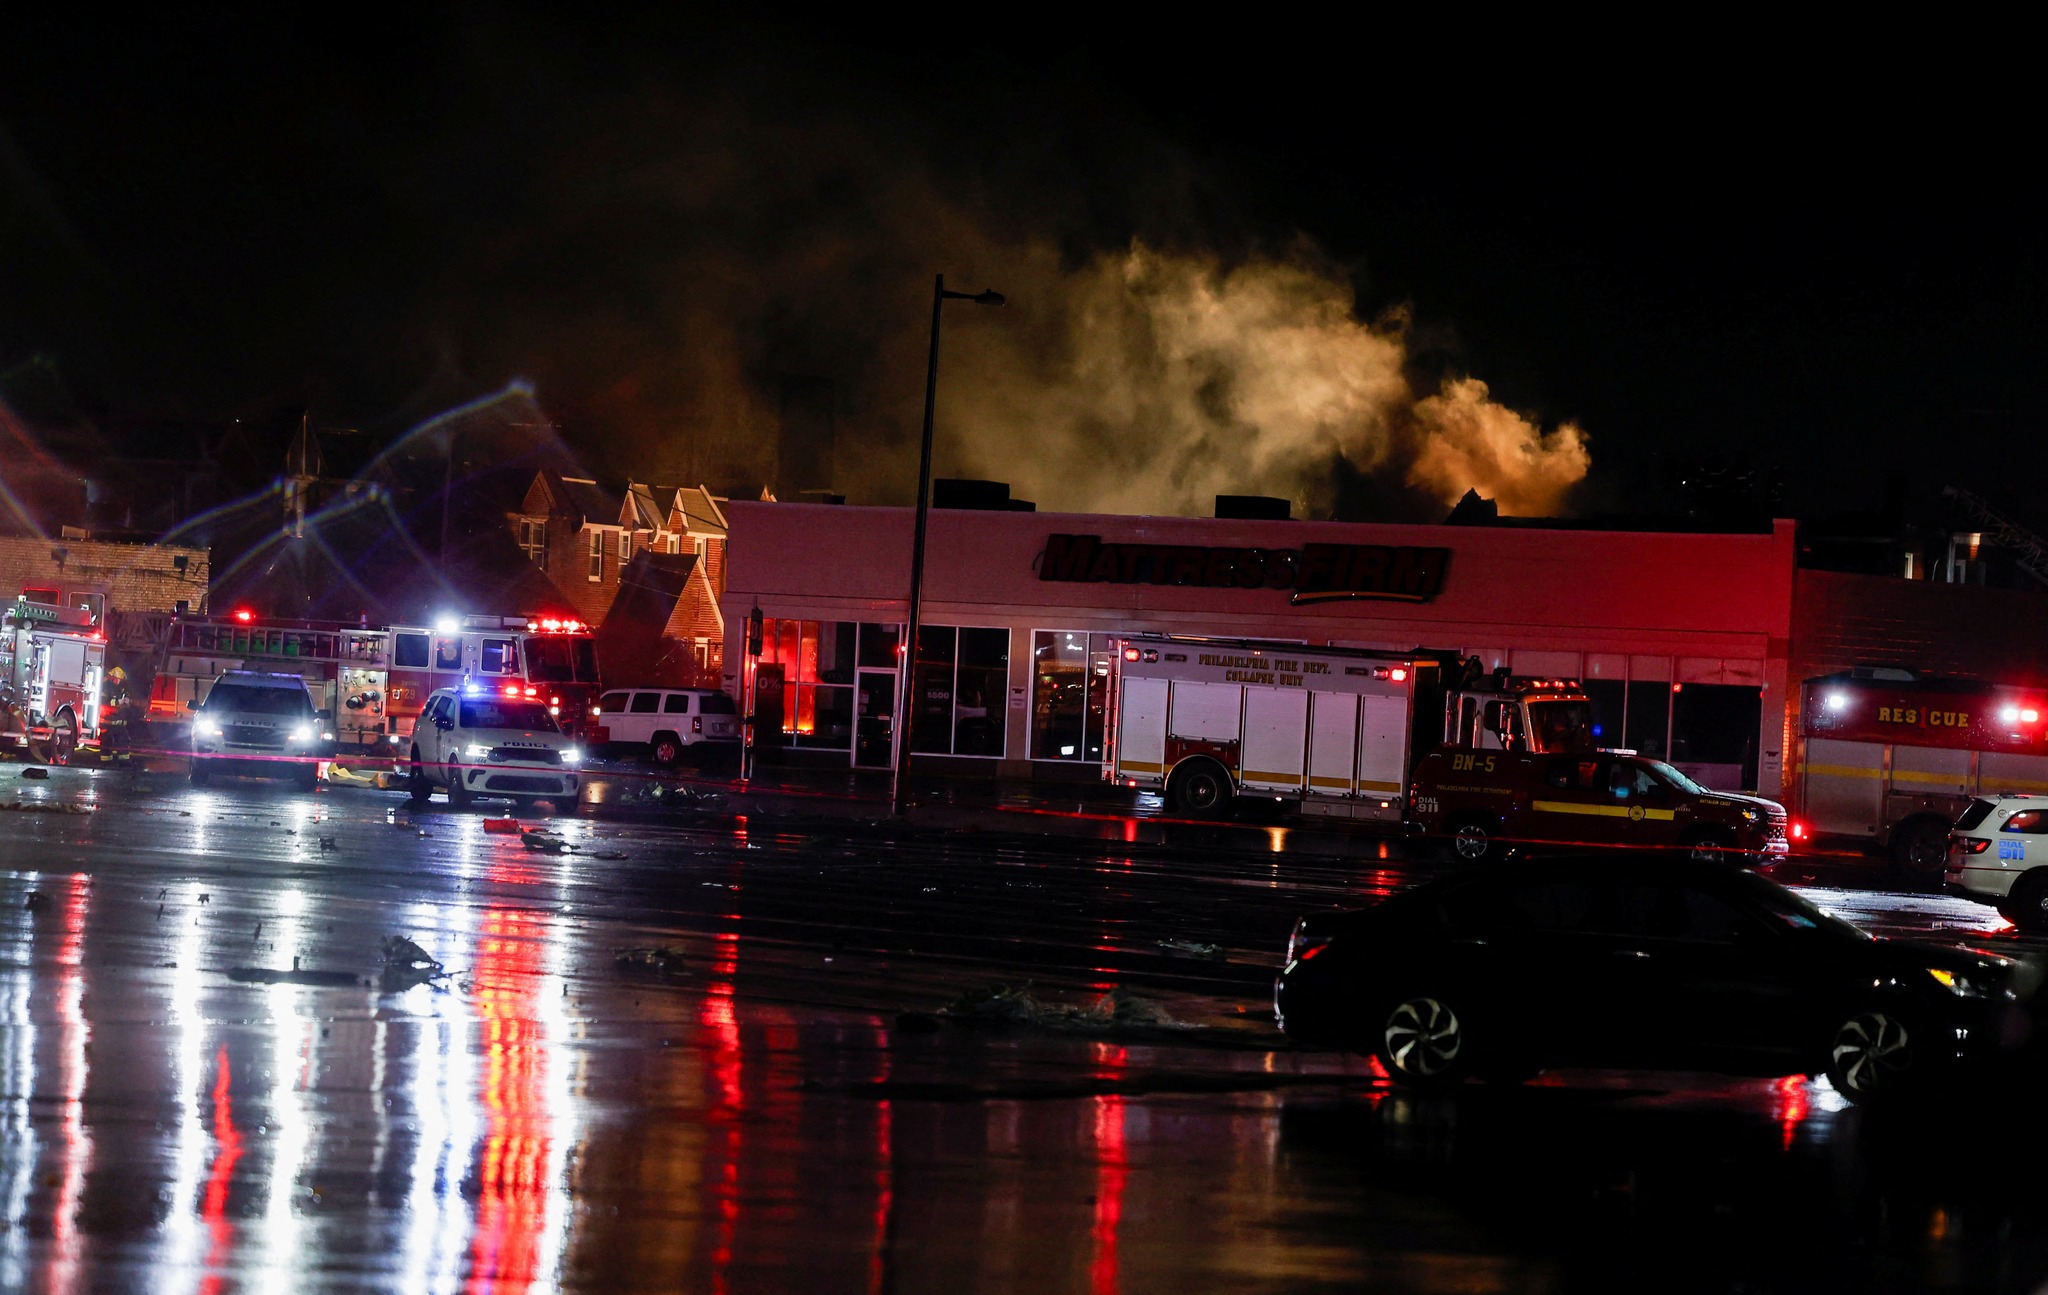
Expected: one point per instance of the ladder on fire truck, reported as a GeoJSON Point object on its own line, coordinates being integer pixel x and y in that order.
{"type": "Point", "coordinates": [2025, 546]}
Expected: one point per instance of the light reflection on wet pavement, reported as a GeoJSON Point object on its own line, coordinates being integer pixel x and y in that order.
{"type": "Point", "coordinates": [766, 1117]}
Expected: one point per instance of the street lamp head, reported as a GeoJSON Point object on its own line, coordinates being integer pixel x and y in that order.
{"type": "Point", "coordinates": [989, 298]}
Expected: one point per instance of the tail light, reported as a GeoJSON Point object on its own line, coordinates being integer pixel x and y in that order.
{"type": "Point", "coordinates": [1969, 844]}
{"type": "Point", "coordinates": [1798, 830]}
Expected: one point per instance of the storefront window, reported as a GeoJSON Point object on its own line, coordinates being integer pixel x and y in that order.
{"type": "Point", "coordinates": [1069, 686]}
{"type": "Point", "coordinates": [1648, 717]}
{"type": "Point", "coordinates": [815, 662]}
{"type": "Point", "coordinates": [958, 689]}
{"type": "Point", "coordinates": [1609, 696]}
{"type": "Point", "coordinates": [1714, 731]}
{"type": "Point", "coordinates": [878, 646]}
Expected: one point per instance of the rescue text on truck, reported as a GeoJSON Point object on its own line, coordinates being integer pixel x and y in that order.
{"type": "Point", "coordinates": [1337, 730]}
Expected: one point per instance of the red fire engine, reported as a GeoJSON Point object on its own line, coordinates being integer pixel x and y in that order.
{"type": "Point", "coordinates": [1892, 757]}
{"type": "Point", "coordinates": [52, 665]}
{"type": "Point", "coordinates": [376, 680]}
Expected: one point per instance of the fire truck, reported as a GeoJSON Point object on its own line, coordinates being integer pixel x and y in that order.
{"type": "Point", "coordinates": [1337, 730]}
{"type": "Point", "coordinates": [52, 666]}
{"type": "Point", "coordinates": [377, 680]}
{"type": "Point", "coordinates": [1891, 757]}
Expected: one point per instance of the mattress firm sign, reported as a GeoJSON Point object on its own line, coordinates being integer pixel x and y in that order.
{"type": "Point", "coordinates": [1315, 572]}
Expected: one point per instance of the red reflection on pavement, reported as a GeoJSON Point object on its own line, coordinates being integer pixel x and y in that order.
{"type": "Point", "coordinates": [74, 1060]}
{"type": "Point", "coordinates": [885, 1192]}
{"type": "Point", "coordinates": [1112, 1170]}
{"type": "Point", "coordinates": [1792, 1106]}
{"type": "Point", "coordinates": [512, 1186]}
{"type": "Point", "coordinates": [724, 1068]}
{"type": "Point", "coordinates": [220, 1177]}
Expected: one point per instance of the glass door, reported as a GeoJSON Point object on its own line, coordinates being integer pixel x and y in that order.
{"type": "Point", "coordinates": [874, 727]}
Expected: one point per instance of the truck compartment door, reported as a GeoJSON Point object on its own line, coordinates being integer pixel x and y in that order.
{"type": "Point", "coordinates": [1275, 738]}
{"type": "Point", "coordinates": [1141, 728]}
{"type": "Point", "coordinates": [1930, 771]}
{"type": "Point", "coordinates": [2002, 771]}
{"type": "Point", "coordinates": [1333, 743]}
{"type": "Point", "coordinates": [1844, 785]}
{"type": "Point", "coordinates": [1210, 712]}
{"type": "Point", "coordinates": [1383, 746]}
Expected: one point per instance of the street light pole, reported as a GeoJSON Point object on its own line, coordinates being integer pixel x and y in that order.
{"type": "Point", "coordinates": [906, 705]}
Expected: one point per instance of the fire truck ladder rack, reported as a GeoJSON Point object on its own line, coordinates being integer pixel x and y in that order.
{"type": "Point", "coordinates": [2025, 546]}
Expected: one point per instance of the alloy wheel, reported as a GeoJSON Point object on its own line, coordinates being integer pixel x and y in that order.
{"type": "Point", "coordinates": [1871, 1053]}
{"type": "Point", "coordinates": [1423, 1038]}
{"type": "Point", "coordinates": [1471, 842]}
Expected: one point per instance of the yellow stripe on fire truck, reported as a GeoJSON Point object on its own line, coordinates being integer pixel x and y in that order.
{"type": "Point", "coordinates": [1603, 811]}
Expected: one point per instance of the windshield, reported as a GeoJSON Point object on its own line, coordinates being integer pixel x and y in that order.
{"type": "Point", "coordinates": [1560, 726]}
{"type": "Point", "coordinates": [484, 712]}
{"type": "Point", "coordinates": [561, 659]}
{"type": "Point", "coordinates": [259, 701]}
{"type": "Point", "coordinates": [1794, 909]}
{"type": "Point", "coordinates": [1677, 779]}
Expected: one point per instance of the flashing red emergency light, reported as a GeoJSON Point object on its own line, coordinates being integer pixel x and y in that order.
{"type": "Point", "coordinates": [1130, 654]}
{"type": "Point", "coordinates": [2021, 715]}
{"type": "Point", "coordinates": [244, 615]}
{"type": "Point", "coordinates": [1398, 675]}
{"type": "Point", "coordinates": [511, 690]}
{"type": "Point", "coordinates": [1798, 830]}
{"type": "Point", "coordinates": [555, 625]}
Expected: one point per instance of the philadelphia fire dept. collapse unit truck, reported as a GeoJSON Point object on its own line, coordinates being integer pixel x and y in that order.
{"type": "Point", "coordinates": [377, 680]}
{"type": "Point", "coordinates": [52, 667]}
{"type": "Point", "coordinates": [1891, 757]}
{"type": "Point", "coordinates": [1423, 738]}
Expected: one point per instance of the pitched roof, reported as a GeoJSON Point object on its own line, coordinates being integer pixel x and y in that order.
{"type": "Point", "coordinates": [700, 509]}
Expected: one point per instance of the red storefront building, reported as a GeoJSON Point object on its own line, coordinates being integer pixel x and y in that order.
{"type": "Point", "coordinates": [1682, 639]}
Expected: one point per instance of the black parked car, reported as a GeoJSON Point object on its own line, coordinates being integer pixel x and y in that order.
{"type": "Point", "coordinates": [1685, 966]}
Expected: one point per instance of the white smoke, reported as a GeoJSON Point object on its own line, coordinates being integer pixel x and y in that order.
{"type": "Point", "coordinates": [1149, 382]}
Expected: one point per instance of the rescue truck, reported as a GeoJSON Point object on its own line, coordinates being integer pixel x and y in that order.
{"type": "Point", "coordinates": [1890, 757]}
{"type": "Point", "coordinates": [1425, 739]}
{"type": "Point", "coordinates": [52, 668]}
{"type": "Point", "coordinates": [376, 680]}
{"type": "Point", "coordinates": [1337, 730]}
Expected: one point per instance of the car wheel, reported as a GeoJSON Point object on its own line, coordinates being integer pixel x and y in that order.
{"type": "Point", "coordinates": [1920, 848]}
{"type": "Point", "coordinates": [1871, 1055]}
{"type": "Point", "coordinates": [666, 750]}
{"type": "Point", "coordinates": [1202, 789]}
{"type": "Point", "coordinates": [64, 740]}
{"type": "Point", "coordinates": [2027, 906]}
{"type": "Point", "coordinates": [1708, 848]}
{"type": "Point", "coordinates": [1422, 1043]}
{"type": "Point", "coordinates": [458, 795]}
{"type": "Point", "coordinates": [1472, 841]}
{"type": "Point", "coordinates": [201, 775]}
{"type": "Point", "coordinates": [416, 784]}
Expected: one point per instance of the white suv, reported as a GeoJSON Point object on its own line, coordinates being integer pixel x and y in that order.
{"type": "Point", "coordinates": [480, 740]}
{"type": "Point", "coordinates": [1993, 857]}
{"type": "Point", "coordinates": [664, 723]}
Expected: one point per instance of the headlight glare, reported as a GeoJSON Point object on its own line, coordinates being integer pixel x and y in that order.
{"type": "Point", "coordinates": [477, 751]}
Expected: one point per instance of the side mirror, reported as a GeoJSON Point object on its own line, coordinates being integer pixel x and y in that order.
{"type": "Point", "coordinates": [192, 705]}
{"type": "Point", "coordinates": [324, 716]}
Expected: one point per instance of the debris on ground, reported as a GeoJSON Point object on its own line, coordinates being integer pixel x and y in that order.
{"type": "Point", "coordinates": [327, 843]}
{"type": "Point", "coordinates": [406, 964]}
{"type": "Point", "coordinates": [544, 842]}
{"type": "Point", "coordinates": [35, 773]}
{"type": "Point", "coordinates": [673, 795]}
{"type": "Point", "coordinates": [1018, 1005]}
{"type": "Point", "coordinates": [35, 901]}
{"type": "Point", "coordinates": [501, 826]}
{"type": "Point", "coordinates": [42, 807]}
{"type": "Point", "coordinates": [296, 976]}
{"type": "Point", "coordinates": [1192, 949]}
{"type": "Point", "coordinates": [662, 962]}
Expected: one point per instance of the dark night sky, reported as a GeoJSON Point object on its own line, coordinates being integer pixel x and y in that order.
{"type": "Point", "coordinates": [1799, 250]}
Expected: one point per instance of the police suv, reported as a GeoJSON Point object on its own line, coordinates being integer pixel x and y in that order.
{"type": "Point", "coordinates": [482, 740]}
{"type": "Point", "coordinates": [260, 725]}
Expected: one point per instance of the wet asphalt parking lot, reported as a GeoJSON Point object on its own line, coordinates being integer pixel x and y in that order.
{"type": "Point", "coordinates": [723, 1047]}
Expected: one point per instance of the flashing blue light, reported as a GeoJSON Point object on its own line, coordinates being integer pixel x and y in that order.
{"type": "Point", "coordinates": [1598, 730]}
